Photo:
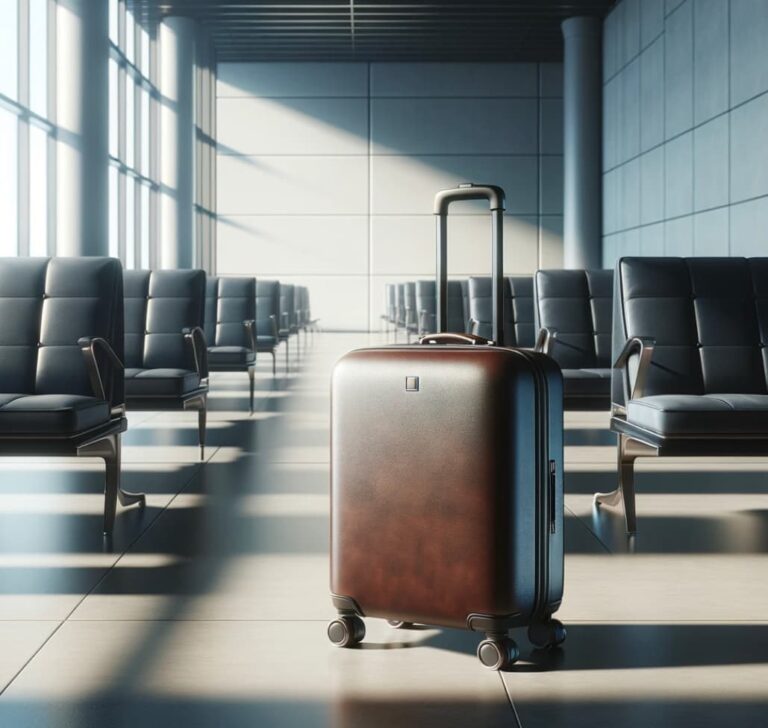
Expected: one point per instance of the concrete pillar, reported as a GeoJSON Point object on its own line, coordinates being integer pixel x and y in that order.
{"type": "Point", "coordinates": [82, 115]}
{"type": "Point", "coordinates": [177, 143]}
{"type": "Point", "coordinates": [582, 123]}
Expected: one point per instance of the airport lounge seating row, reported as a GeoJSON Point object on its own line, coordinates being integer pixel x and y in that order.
{"type": "Point", "coordinates": [82, 342]}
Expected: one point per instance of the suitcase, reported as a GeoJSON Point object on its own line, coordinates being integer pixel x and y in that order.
{"type": "Point", "coordinates": [447, 479]}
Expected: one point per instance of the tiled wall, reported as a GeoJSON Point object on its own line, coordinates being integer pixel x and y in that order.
{"type": "Point", "coordinates": [327, 173]}
{"type": "Point", "coordinates": [685, 148]}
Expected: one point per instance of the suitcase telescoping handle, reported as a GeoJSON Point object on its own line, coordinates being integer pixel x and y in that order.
{"type": "Point", "coordinates": [495, 197]}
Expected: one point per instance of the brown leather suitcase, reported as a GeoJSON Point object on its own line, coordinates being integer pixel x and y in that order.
{"type": "Point", "coordinates": [446, 485]}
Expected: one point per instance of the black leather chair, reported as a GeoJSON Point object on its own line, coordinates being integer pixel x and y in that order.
{"type": "Point", "coordinates": [465, 303]}
{"type": "Point", "coordinates": [400, 321]}
{"type": "Point", "coordinates": [573, 320]}
{"type": "Point", "coordinates": [387, 317]}
{"type": "Point", "coordinates": [689, 337]}
{"type": "Point", "coordinates": [166, 356]}
{"type": "Point", "coordinates": [426, 304]}
{"type": "Point", "coordinates": [285, 321]}
{"type": "Point", "coordinates": [267, 316]}
{"type": "Point", "coordinates": [230, 326]}
{"type": "Point", "coordinates": [411, 312]}
{"type": "Point", "coordinates": [61, 371]}
{"type": "Point", "coordinates": [518, 309]}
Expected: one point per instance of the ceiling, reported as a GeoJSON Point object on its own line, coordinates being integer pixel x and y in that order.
{"type": "Point", "coordinates": [415, 30]}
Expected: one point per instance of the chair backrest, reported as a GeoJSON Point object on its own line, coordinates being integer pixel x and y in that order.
{"type": "Point", "coordinates": [287, 312]}
{"type": "Point", "coordinates": [426, 305]}
{"type": "Point", "coordinates": [267, 304]}
{"type": "Point", "coordinates": [389, 302]}
{"type": "Point", "coordinates": [211, 306]}
{"type": "Point", "coordinates": [411, 314]}
{"type": "Point", "coordinates": [159, 304]}
{"type": "Point", "coordinates": [465, 303]}
{"type": "Point", "coordinates": [46, 305]}
{"type": "Point", "coordinates": [400, 304]}
{"type": "Point", "coordinates": [235, 303]}
{"type": "Point", "coordinates": [577, 305]}
{"type": "Point", "coordinates": [303, 310]}
{"type": "Point", "coordinates": [298, 306]}
{"type": "Point", "coordinates": [518, 309]}
{"type": "Point", "coordinates": [709, 317]}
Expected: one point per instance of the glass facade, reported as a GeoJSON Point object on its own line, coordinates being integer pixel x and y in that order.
{"type": "Point", "coordinates": [133, 139]}
{"type": "Point", "coordinates": [27, 126]}
{"type": "Point", "coordinates": [28, 135]}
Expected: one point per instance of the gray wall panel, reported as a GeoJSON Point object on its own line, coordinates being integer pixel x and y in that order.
{"type": "Point", "coordinates": [678, 83]}
{"type": "Point", "coordinates": [651, 95]}
{"type": "Point", "coordinates": [749, 151]}
{"type": "Point", "coordinates": [327, 173]}
{"type": "Point", "coordinates": [651, 21]}
{"type": "Point", "coordinates": [703, 176]}
{"type": "Point", "coordinates": [711, 232]}
{"type": "Point", "coordinates": [652, 186]}
{"type": "Point", "coordinates": [749, 30]}
{"type": "Point", "coordinates": [678, 175]}
{"type": "Point", "coordinates": [710, 61]}
{"type": "Point", "coordinates": [710, 164]}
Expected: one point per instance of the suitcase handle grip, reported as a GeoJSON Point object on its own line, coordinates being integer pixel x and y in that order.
{"type": "Point", "coordinates": [495, 197]}
{"type": "Point", "coordinates": [446, 338]}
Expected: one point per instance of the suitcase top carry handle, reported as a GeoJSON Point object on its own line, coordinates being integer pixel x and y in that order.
{"type": "Point", "coordinates": [495, 197]}
{"type": "Point", "coordinates": [447, 338]}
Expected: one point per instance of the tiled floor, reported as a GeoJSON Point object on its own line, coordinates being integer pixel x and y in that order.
{"type": "Point", "coordinates": [210, 607]}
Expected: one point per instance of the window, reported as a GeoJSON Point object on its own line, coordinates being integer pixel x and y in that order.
{"type": "Point", "coordinates": [133, 130]}
{"type": "Point", "coordinates": [27, 152]}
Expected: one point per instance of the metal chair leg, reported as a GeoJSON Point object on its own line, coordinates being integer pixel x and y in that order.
{"type": "Point", "coordinates": [274, 363]}
{"type": "Point", "coordinates": [202, 413]}
{"type": "Point", "coordinates": [110, 451]}
{"type": "Point", "coordinates": [252, 382]}
{"type": "Point", "coordinates": [286, 356]}
{"type": "Point", "coordinates": [628, 450]}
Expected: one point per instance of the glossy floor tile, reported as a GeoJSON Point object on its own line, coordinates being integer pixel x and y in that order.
{"type": "Point", "coordinates": [209, 607]}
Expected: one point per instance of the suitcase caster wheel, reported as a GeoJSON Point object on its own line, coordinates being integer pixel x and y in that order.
{"type": "Point", "coordinates": [497, 654]}
{"type": "Point", "coordinates": [346, 631]}
{"type": "Point", "coordinates": [397, 624]}
{"type": "Point", "coordinates": [548, 634]}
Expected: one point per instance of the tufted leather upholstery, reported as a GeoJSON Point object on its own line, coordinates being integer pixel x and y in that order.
{"type": "Point", "coordinates": [518, 309]}
{"type": "Point", "coordinates": [577, 305]}
{"type": "Point", "coordinates": [267, 304]}
{"type": "Point", "coordinates": [709, 317]}
{"type": "Point", "coordinates": [158, 306]}
{"type": "Point", "coordinates": [229, 302]}
{"type": "Point", "coordinates": [426, 301]}
{"type": "Point", "coordinates": [46, 305]}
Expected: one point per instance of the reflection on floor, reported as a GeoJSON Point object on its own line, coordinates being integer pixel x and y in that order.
{"type": "Point", "coordinates": [210, 608]}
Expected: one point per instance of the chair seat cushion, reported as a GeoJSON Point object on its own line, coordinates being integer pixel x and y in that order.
{"type": "Point", "coordinates": [707, 414]}
{"type": "Point", "coordinates": [229, 356]}
{"type": "Point", "coordinates": [587, 382]}
{"type": "Point", "coordinates": [160, 382]}
{"type": "Point", "coordinates": [50, 414]}
{"type": "Point", "coordinates": [265, 342]}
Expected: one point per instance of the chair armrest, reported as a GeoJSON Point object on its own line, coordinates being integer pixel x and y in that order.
{"type": "Point", "coordinates": [474, 325]}
{"type": "Point", "coordinates": [195, 337]}
{"type": "Point", "coordinates": [545, 340]}
{"type": "Point", "coordinates": [89, 346]}
{"type": "Point", "coordinates": [644, 347]}
{"type": "Point", "coordinates": [250, 332]}
{"type": "Point", "coordinates": [275, 332]}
